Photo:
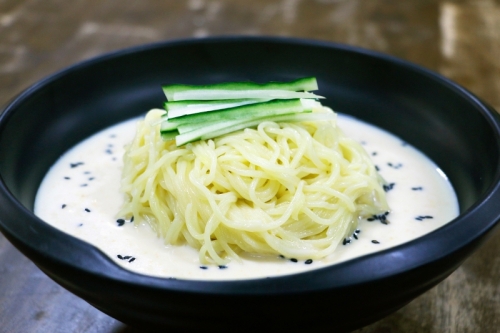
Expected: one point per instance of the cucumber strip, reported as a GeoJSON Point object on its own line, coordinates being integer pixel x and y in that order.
{"type": "Point", "coordinates": [195, 126]}
{"type": "Point", "coordinates": [182, 108]}
{"type": "Point", "coordinates": [273, 107]}
{"type": "Point", "coordinates": [214, 94]}
{"type": "Point", "coordinates": [302, 84]}
{"type": "Point", "coordinates": [218, 129]}
{"type": "Point", "coordinates": [196, 135]}
{"type": "Point", "coordinates": [167, 126]}
{"type": "Point", "coordinates": [170, 135]}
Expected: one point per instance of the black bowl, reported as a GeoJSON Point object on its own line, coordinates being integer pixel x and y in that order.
{"type": "Point", "coordinates": [452, 126]}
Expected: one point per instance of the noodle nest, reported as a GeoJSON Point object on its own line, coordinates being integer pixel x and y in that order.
{"type": "Point", "coordinates": [290, 189]}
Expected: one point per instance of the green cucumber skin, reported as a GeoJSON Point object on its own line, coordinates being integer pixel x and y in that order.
{"type": "Point", "coordinates": [252, 110]}
{"type": "Point", "coordinates": [195, 135]}
{"type": "Point", "coordinates": [302, 84]}
{"type": "Point", "coordinates": [184, 128]}
{"type": "Point", "coordinates": [169, 135]}
{"type": "Point", "coordinates": [169, 106]}
{"type": "Point", "coordinates": [181, 108]}
{"type": "Point", "coordinates": [167, 126]}
{"type": "Point", "coordinates": [247, 94]}
{"type": "Point", "coordinates": [195, 112]}
{"type": "Point", "coordinates": [218, 129]}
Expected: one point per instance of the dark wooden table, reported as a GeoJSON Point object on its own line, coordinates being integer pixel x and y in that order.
{"type": "Point", "coordinates": [458, 38]}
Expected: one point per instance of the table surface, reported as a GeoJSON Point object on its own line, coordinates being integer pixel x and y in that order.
{"type": "Point", "coordinates": [457, 38]}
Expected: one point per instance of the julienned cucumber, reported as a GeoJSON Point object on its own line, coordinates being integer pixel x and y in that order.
{"type": "Point", "coordinates": [177, 92]}
{"type": "Point", "coordinates": [217, 129]}
{"type": "Point", "coordinates": [205, 112]}
{"type": "Point", "coordinates": [182, 108]}
{"type": "Point", "coordinates": [214, 94]}
{"type": "Point", "coordinates": [270, 108]}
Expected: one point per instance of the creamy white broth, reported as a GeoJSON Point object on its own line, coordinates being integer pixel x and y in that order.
{"type": "Point", "coordinates": [80, 195]}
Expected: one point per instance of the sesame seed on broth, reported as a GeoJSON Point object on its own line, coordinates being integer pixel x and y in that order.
{"type": "Point", "coordinates": [80, 195]}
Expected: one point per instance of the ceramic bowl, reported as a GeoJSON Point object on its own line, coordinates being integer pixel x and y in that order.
{"type": "Point", "coordinates": [449, 124]}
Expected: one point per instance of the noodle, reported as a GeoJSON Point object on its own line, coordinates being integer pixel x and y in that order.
{"type": "Point", "coordinates": [290, 189]}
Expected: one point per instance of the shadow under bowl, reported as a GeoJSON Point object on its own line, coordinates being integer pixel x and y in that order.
{"type": "Point", "coordinates": [448, 123]}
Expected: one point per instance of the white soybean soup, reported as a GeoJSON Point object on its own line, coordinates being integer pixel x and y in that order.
{"type": "Point", "coordinates": [81, 196]}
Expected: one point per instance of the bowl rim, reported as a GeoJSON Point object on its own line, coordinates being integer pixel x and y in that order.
{"type": "Point", "coordinates": [289, 283]}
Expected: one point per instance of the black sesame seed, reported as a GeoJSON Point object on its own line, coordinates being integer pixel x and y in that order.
{"type": "Point", "coordinates": [86, 173]}
{"type": "Point", "coordinates": [417, 188]}
{"type": "Point", "coordinates": [91, 178]}
{"type": "Point", "coordinates": [203, 267]}
{"type": "Point", "coordinates": [129, 258]}
{"type": "Point", "coordinates": [63, 206]}
{"type": "Point", "coordinates": [388, 187]}
{"type": "Point", "coordinates": [108, 151]}
{"type": "Point", "coordinates": [293, 260]}
{"type": "Point", "coordinates": [423, 217]}
{"type": "Point", "coordinates": [355, 236]}
{"type": "Point", "coordinates": [377, 168]}
{"type": "Point", "coordinates": [375, 241]}
{"type": "Point", "coordinates": [84, 185]}
{"type": "Point", "coordinates": [357, 231]}
{"type": "Point", "coordinates": [282, 256]}
{"type": "Point", "coordinates": [120, 222]}
{"type": "Point", "coordinates": [374, 153]}
{"type": "Point", "coordinates": [395, 166]}
{"type": "Point", "coordinates": [87, 210]}
{"type": "Point", "coordinates": [382, 218]}
{"type": "Point", "coordinates": [132, 219]}
{"type": "Point", "coordinates": [308, 261]}
{"type": "Point", "coordinates": [67, 178]}
{"type": "Point", "coordinates": [222, 267]}
{"type": "Point", "coordinates": [74, 165]}
{"type": "Point", "coordinates": [80, 225]}
{"type": "Point", "coordinates": [346, 241]}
